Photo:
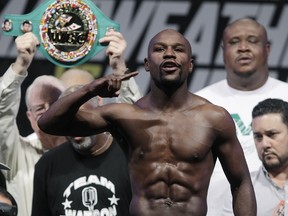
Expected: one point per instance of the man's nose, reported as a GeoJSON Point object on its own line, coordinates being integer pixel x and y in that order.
{"type": "Point", "coordinates": [243, 46]}
{"type": "Point", "coordinates": [169, 52]}
{"type": "Point", "coordinates": [266, 142]}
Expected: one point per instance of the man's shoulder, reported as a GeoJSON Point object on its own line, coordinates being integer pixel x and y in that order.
{"type": "Point", "coordinates": [276, 88]}
{"type": "Point", "coordinates": [211, 111]}
{"type": "Point", "coordinates": [10, 77]}
{"type": "Point", "coordinates": [213, 88]}
{"type": "Point", "coordinates": [31, 143]}
{"type": "Point", "coordinates": [277, 82]}
{"type": "Point", "coordinates": [56, 152]}
{"type": "Point", "coordinates": [257, 175]}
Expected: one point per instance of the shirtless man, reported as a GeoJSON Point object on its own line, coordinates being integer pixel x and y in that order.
{"type": "Point", "coordinates": [174, 135]}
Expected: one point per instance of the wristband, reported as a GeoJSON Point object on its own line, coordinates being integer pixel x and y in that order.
{"type": "Point", "coordinates": [127, 70]}
{"type": "Point", "coordinates": [68, 30]}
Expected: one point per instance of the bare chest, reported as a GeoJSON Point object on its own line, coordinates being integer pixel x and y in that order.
{"type": "Point", "coordinates": [177, 136]}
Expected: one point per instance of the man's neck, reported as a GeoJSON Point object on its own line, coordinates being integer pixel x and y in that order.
{"type": "Point", "coordinates": [103, 144]}
{"type": "Point", "coordinates": [247, 83]}
{"type": "Point", "coordinates": [168, 99]}
{"type": "Point", "coordinates": [279, 178]}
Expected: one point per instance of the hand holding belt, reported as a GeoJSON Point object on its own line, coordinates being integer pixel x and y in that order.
{"type": "Point", "coordinates": [68, 30]}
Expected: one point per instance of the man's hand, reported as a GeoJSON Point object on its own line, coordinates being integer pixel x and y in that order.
{"type": "Point", "coordinates": [109, 86]}
{"type": "Point", "coordinates": [115, 51]}
{"type": "Point", "coordinates": [26, 46]}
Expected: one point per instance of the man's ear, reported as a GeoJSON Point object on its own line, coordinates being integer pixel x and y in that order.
{"type": "Point", "coordinates": [30, 116]}
{"type": "Point", "coordinates": [222, 46]}
{"type": "Point", "coordinates": [191, 65]}
{"type": "Point", "coordinates": [268, 47]}
{"type": "Point", "coordinates": [146, 64]}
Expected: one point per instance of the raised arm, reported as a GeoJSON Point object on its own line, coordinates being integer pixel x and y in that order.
{"type": "Point", "coordinates": [231, 156]}
{"type": "Point", "coordinates": [129, 92]}
{"type": "Point", "coordinates": [65, 118]}
{"type": "Point", "coordinates": [26, 47]}
{"type": "Point", "coordinates": [115, 51]}
{"type": "Point", "coordinates": [10, 95]}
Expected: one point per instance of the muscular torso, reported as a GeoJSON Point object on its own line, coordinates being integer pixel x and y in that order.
{"type": "Point", "coordinates": [171, 161]}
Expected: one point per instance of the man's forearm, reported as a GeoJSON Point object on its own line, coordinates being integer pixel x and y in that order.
{"type": "Point", "coordinates": [61, 114]}
{"type": "Point", "coordinates": [244, 202]}
{"type": "Point", "coordinates": [10, 84]}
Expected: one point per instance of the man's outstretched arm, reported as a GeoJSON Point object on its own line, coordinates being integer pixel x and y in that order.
{"type": "Point", "coordinates": [64, 117]}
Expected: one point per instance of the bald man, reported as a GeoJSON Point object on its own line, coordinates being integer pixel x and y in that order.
{"type": "Point", "coordinates": [76, 76]}
{"type": "Point", "coordinates": [174, 136]}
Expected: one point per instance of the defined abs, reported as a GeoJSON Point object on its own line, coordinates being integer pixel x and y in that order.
{"type": "Point", "coordinates": [167, 183]}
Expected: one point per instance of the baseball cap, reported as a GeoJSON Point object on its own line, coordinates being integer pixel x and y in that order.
{"type": "Point", "coordinates": [8, 210]}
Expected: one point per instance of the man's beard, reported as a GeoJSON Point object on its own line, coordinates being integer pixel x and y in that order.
{"type": "Point", "coordinates": [272, 165]}
{"type": "Point", "coordinates": [244, 74]}
{"type": "Point", "coordinates": [168, 84]}
{"type": "Point", "coordinates": [85, 144]}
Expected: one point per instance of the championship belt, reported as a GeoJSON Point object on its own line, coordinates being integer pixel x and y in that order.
{"type": "Point", "coordinates": [68, 30]}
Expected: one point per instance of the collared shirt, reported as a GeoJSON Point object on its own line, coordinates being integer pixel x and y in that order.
{"type": "Point", "coordinates": [271, 199]}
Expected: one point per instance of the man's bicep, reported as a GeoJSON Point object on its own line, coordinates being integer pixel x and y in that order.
{"type": "Point", "coordinates": [230, 151]}
{"type": "Point", "coordinates": [100, 118]}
